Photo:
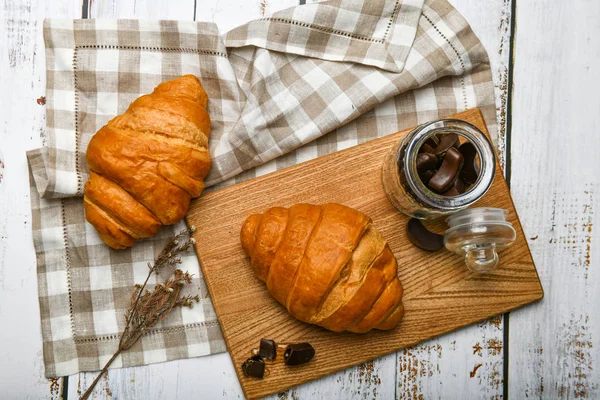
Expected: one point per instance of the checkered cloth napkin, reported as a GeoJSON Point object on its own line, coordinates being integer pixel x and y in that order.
{"type": "Point", "coordinates": [299, 84]}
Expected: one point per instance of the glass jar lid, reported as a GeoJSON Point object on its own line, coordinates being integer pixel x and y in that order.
{"type": "Point", "coordinates": [479, 234]}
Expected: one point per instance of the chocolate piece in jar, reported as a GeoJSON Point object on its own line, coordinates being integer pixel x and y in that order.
{"type": "Point", "coordinates": [470, 170]}
{"type": "Point", "coordinates": [426, 176]}
{"type": "Point", "coordinates": [298, 353]}
{"type": "Point", "coordinates": [459, 185]}
{"type": "Point", "coordinates": [422, 237]}
{"type": "Point", "coordinates": [451, 192]}
{"type": "Point", "coordinates": [446, 141]}
{"type": "Point", "coordinates": [427, 149]}
{"type": "Point", "coordinates": [429, 145]}
{"type": "Point", "coordinates": [268, 349]}
{"type": "Point", "coordinates": [433, 141]}
{"type": "Point", "coordinates": [254, 367]}
{"type": "Point", "coordinates": [444, 177]}
{"type": "Point", "coordinates": [426, 161]}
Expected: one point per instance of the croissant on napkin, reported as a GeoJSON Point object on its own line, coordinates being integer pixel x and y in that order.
{"type": "Point", "coordinates": [327, 265]}
{"type": "Point", "coordinates": [148, 163]}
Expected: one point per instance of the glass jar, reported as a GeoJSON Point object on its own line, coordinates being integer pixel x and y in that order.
{"type": "Point", "coordinates": [410, 195]}
{"type": "Point", "coordinates": [479, 234]}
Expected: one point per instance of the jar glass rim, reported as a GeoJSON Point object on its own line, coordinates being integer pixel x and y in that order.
{"type": "Point", "coordinates": [484, 150]}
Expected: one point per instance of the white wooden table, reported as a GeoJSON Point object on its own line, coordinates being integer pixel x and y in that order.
{"type": "Point", "coordinates": [546, 61]}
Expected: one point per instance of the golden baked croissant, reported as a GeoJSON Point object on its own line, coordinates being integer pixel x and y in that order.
{"type": "Point", "coordinates": [146, 164]}
{"type": "Point", "coordinates": [327, 265]}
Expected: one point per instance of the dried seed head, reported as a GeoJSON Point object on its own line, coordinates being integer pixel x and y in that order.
{"type": "Point", "coordinates": [149, 308]}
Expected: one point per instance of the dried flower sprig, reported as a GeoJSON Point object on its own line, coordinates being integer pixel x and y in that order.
{"type": "Point", "coordinates": [149, 307]}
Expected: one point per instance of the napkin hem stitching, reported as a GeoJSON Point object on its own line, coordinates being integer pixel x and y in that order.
{"type": "Point", "coordinates": [151, 48]}
{"type": "Point", "coordinates": [460, 60]}
{"type": "Point", "coordinates": [166, 330]}
{"type": "Point", "coordinates": [67, 265]}
{"type": "Point", "coordinates": [327, 30]}
{"type": "Point", "coordinates": [392, 18]}
{"type": "Point", "coordinates": [76, 124]}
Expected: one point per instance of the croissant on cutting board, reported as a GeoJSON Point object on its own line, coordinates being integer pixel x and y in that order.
{"type": "Point", "coordinates": [148, 163]}
{"type": "Point", "coordinates": [327, 265]}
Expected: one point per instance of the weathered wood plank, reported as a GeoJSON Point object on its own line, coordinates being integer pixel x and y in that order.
{"type": "Point", "coordinates": [491, 23]}
{"type": "Point", "coordinates": [228, 14]}
{"type": "Point", "coordinates": [468, 362]}
{"type": "Point", "coordinates": [463, 364]}
{"type": "Point", "coordinates": [22, 84]}
{"type": "Point", "coordinates": [142, 9]}
{"type": "Point", "coordinates": [555, 345]}
{"type": "Point", "coordinates": [209, 377]}
{"type": "Point", "coordinates": [371, 380]}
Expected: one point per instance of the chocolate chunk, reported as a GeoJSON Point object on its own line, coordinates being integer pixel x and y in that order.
{"type": "Point", "coordinates": [440, 161]}
{"type": "Point", "coordinates": [425, 161]}
{"type": "Point", "coordinates": [430, 144]}
{"type": "Point", "coordinates": [446, 141]}
{"type": "Point", "coordinates": [254, 367]}
{"type": "Point", "coordinates": [422, 237]}
{"type": "Point", "coordinates": [459, 185]}
{"type": "Point", "coordinates": [449, 176]}
{"type": "Point", "coordinates": [433, 141]}
{"type": "Point", "coordinates": [299, 353]}
{"type": "Point", "coordinates": [451, 192]}
{"type": "Point", "coordinates": [457, 188]}
{"type": "Point", "coordinates": [268, 349]}
{"type": "Point", "coordinates": [445, 176]}
{"type": "Point", "coordinates": [426, 149]}
{"type": "Point", "coordinates": [470, 170]}
{"type": "Point", "coordinates": [426, 176]}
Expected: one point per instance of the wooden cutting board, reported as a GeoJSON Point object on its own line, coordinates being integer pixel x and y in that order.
{"type": "Point", "coordinates": [440, 294]}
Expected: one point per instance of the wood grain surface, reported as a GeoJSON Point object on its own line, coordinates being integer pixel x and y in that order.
{"type": "Point", "coordinates": [440, 293]}
{"type": "Point", "coordinates": [555, 345]}
{"type": "Point", "coordinates": [22, 127]}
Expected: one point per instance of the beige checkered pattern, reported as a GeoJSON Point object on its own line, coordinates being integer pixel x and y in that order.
{"type": "Point", "coordinates": [302, 83]}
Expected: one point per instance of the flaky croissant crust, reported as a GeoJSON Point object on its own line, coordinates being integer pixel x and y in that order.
{"type": "Point", "coordinates": [147, 163]}
{"type": "Point", "coordinates": [327, 265]}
